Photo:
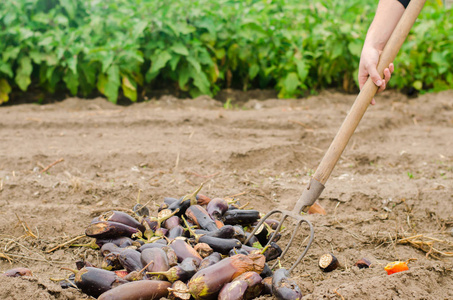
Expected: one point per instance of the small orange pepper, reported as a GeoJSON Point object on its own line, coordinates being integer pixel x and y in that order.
{"type": "Point", "coordinates": [396, 266]}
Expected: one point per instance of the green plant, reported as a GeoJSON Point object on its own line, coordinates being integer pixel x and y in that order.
{"type": "Point", "coordinates": [129, 47]}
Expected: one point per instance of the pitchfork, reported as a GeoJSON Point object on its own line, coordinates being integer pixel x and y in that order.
{"type": "Point", "coordinates": [316, 185]}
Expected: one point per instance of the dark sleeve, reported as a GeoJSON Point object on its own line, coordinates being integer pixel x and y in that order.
{"type": "Point", "coordinates": [404, 2]}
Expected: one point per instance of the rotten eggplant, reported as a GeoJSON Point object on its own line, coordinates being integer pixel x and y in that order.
{"type": "Point", "coordinates": [283, 287]}
{"type": "Point", "coordinates": [138, 290]}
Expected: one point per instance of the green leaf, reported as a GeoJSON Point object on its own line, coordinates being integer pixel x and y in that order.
{"type": "Point", "coordinates": [253, 71]}
{"type": "Point", "coordinates": [113, 83]}
{"type": "Point", "coordinates": [355, 47]}
{"type": "Point", "coordinates": [5, 89]}
{"type": "Point", "coordinates": [72, 81]}
{"type": "Point", "coordinates": [194, 64]}
{"type": "Point", "coordinates": [291, 83]}
{"type": "Point", "coordinates": [23, 73]}
{"type": "Point", "coordinates": [183, 77]}
{"type": "Point", "coordinates": [129, 90]}
{"type": "Point", "coordinates": [69, 6]}
{"type": "Point", "coordinates": [174, 62]}
{"type": "Point", "coordinates": [158, 63]}
{"type": "Point", "coordinates": [6, 69]}
{"type": "Point", "coordinates": [418, 85]}
{"type": "Point", "coordinates": [180, 49]}
{"type": "Point", "coordinates": [302, 69]}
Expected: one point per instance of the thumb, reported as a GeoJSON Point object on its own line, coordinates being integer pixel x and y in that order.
{"type": "Point", "coordinates": [375, 77]}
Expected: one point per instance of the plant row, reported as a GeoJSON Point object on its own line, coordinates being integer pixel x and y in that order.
{"type": "Point", "coordinates": [131, 47]}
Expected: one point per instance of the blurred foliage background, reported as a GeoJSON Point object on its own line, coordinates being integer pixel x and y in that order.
{"type": "Point", "coordinates": [128, 48]}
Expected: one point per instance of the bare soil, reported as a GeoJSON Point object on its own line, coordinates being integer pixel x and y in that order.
{"type": "Point", "coordinates": [389, 198]}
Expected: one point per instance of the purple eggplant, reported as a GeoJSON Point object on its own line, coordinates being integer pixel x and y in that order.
{"type": "Point", "coordinates": [107, 229]}
{"type": "Point", "coordinates": [183, 271]}
{"type": "Point", "coordinates": [158, 257]}
{"type": "Point", "coordinates": [121, 242]}
{"type": "Point", "coordinates": [226, 232]}
{"type": "Point", "coordinates": [184, 250]}
{"type": "Point", "coordinates": [216, 208]}
{"type": "Point", "coordinates": [94, 281]}
{"type": "Point", "coordinates": [241, 216]}
{"type": "Point", "coordinates": [233, 290]}
{"type": "Point", "coordinates": [283, 287]}
{"type": "Point", "coordinates": [121, 217]}
{"type": "Point", "coordinates": [175, 232]}
{"type": "Point", "coordinates": [172, 222]}
{"type": "Point", "coordinates": [151, 245]}
{"type": "Point", "coordinates": [18, 272]}
{"type": "Point", "coordinates": [198, 215]}
{"type": "Point", "coordinates": [138, 290]}
{"type": "Point", "coordinates": [130, 260]}
{"type": "Point", "coordinates": [214, 258]}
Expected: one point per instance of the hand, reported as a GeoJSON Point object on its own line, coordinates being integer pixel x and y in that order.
{"type": "Point", "coordinates": [367, 68]}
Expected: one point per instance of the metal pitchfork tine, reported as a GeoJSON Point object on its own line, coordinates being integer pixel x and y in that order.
{"type": "Point", "coordinates": [358, 109]}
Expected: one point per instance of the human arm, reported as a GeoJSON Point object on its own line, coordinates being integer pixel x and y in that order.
{"type": "Point", "coordinates": [388, 13]}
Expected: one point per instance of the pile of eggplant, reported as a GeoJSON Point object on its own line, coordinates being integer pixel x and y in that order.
{"type": "Point", "coordinates": [193, 249]}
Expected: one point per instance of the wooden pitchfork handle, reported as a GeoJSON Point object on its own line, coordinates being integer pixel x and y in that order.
{"type": "Point", "coordinates": [330, 159]}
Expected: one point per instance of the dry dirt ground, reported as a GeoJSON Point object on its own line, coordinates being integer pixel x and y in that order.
{"type": "Point", "coordinates": [389, 198]}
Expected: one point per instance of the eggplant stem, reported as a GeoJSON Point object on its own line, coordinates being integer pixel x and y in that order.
{"type": "Point", "coordinates": [193, 196]}
{"type": "Point", "coordinates": [244, 206]}
{"type": "Point", "coordinates": [138, 196]}
{"type": "Point", "coordinates": [265, 249]}
{"type": "Point", "coordinates": [160, 220]}
{"type": "Point", "coordinates": [91, 244]}
{"type": "Point", "coordinates": [144, 268]}
{"type": "Point", "coordinates": [192, 233]}
{"type": "Point", "coordinates": [69, 269]}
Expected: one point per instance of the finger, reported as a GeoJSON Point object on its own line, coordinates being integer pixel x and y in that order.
{"type": "Point", "coordinates": [387, 75]}
{"type": "Point", "coordinates": [375, 76]}
{"type": "Point", "coordinates": [382, 87]}
{"type": "Point", "coordinates": [391, 67]}
{"type": "Point", "coordinates": [373, 102]}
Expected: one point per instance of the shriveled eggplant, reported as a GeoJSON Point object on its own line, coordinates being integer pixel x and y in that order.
{"type": "Point", "coordinates": [183, 271]}
{"type": "Point", "coordinates": [206, 283]}
{"type": "Point", "coordinates": [216, 208]}
{"type": "Point", "coordinates": [18, 272]}
{"type": "Point", "coordinates": [179, 291]}
{"type": "Point", "coordinates": [171, 256]}
{"type": "Point", "coordinates": [210, 260]}
{"type": "Point", "coordinates": [198, 215]}
{"type": "Point", "coordinates": [184, 250]}
{"type": "Point", "coordinates": [111, 262]}
{"type": "Point", "coordinates": [172, 222]}
{"type": "Point", "coordinates": [122, 241]}
{"type": "Point", "coordinates": [108, 229]}
{"type": "Point", "coordinates": [152, 245]}
{"type": "Point", "coordinates": [203, 249]}
{"type": "Point", "coordinates": [283, 287]}
{"type": "Point", "coordinates": [130, 260]}
{"type": "Point", "coordinates": [159, 258]}
{"type": "Point", "coordinates": [175, 232]}
{"type": "Point", "coordinates": [234, 290]}
{"type": "Point", "coordinates": [121, 217]}
{"type": "Point", "coordinates": [138, 290]}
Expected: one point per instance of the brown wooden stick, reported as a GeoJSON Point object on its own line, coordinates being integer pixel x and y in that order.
{"type": "Point", "coordinates": [52, 164]}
